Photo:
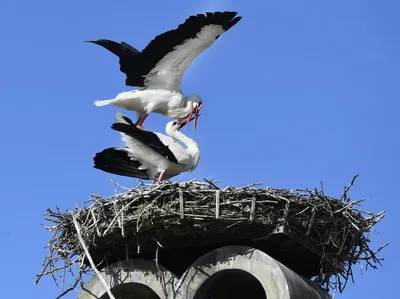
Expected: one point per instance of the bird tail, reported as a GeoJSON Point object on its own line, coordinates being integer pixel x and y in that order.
{"type": "Point", "coordinates": [104, 102]}
{"type": "Point", "coordinates": [122, 119]}
{"type": "Point", "coordinates": [116, 160]}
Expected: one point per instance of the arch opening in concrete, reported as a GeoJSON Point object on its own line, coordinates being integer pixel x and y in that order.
{"type": "Point", "coordinates": [233, 284]}
{"type": "Point", "coordinates": [132, 290]}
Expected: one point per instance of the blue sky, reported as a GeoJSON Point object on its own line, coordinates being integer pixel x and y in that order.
{"type": "Point", "coordinates": [319, 81]}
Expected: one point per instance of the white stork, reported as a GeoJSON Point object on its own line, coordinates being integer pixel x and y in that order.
{"type": "Point", "coordinates": [159, 68]}
{"type": "Point", "coordinates": [149, 155]}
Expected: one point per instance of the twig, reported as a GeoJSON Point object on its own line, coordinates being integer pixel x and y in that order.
{"type": "Point", "coordinates": [310, 224]}
{"type": "Point", "coordinates": [116, 216]}
{"type": "Point", "coordinates": [347, 188]}
{"type": "Point", "coordinates": [217, 202]}
{"type": "Point", "coordinates": [161, 273]}
{"type": "Point", "coordinates": [89, 257]}
{"type": "Point", "coordinates": [253, 208]}
{"type": "Point", "coordinates": [118, 185]}
{"type": "Point", "coordinates": [181, 205]}
{"type": "Point", "coordinates": [95, 222]}
{"type": "Point", "coordinates": [252, 185]}
{"type": "Point", "coordinates": [211, 183]}
{"type": "Point", "coordinates": [68, 290]}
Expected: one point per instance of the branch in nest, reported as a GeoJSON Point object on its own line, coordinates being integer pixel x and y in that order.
{"type": "Point", "coordinates": [142, 215]}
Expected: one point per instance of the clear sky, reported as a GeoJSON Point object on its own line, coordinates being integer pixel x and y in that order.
{"type": "Point", "coordinates": [296, 93]}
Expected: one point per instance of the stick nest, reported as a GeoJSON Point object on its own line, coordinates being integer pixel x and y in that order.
{"type": "Point", "coordinates": [143, 217]}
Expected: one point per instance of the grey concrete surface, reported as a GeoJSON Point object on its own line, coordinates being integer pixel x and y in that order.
{"type": "Point", "coordinates": [227, 272]}
{"type": "Point", "coordinates": [278, 281]}
{"type": "Point", "coordinates": [135, 278]}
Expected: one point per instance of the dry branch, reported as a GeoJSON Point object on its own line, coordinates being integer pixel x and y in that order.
{"type": "Point", "coordinates": [334, 228]}
{"type": "Point", "coordinates": [84, 248]}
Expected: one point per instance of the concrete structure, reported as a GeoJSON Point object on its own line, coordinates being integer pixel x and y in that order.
{"type": "Point", "coordinates": [226, 272]}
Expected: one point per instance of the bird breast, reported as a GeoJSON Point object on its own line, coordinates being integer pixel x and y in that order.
{"type": "Point", "coordinates": [161, 101]}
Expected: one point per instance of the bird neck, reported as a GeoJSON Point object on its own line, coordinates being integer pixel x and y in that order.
{"type": "Point", "coordinates": [183, 110]}
{"type": "Point", "coordinates": [192, 148]}
{"type": "Point", "coordinates": [179, 107]}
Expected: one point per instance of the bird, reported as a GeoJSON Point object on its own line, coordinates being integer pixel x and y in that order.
{"type": "Point", "coordinates": [149, 155]}
{"type": "Point", "coordinates": [158, 69]}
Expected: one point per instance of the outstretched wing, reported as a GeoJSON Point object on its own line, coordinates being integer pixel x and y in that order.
{"type": "Point", "coordinates": [172, 52]}
{"type": "Point", "coordinates": [126, 53]}
{"type": "Point", "coordinates": [165, 59]}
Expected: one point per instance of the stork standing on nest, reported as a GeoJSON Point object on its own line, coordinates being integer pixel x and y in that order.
{"type": "Point", "coordinates": [159, 68]}
{"type": "Point", "coordinates": [149, 155]}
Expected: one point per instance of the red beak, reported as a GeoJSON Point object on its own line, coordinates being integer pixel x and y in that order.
{"type": "Point", "coordinates": [183, 123]}
{"type": "Point", "coordinates": [196, 115]}
{"type": "Point", "coordinates": [186, 120]}
{"type": "Point", "coordinates": [190, 115]}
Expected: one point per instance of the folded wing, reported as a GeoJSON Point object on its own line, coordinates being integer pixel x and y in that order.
{"type": "Point", "coordinates": [118, 161]}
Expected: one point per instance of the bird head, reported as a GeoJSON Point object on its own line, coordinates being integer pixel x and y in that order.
{"type": "Point", "coordinates": [196, 103]}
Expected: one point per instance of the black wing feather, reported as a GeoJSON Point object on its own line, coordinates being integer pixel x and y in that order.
{"type": "Point", "coordinates": [117, 161]}
{"type": "Point", "coordinates": [128, 120]}
{"type": "Point", "coordinates": [137, 64]}
{"type": "Point", "coordinates": [126, 53]}
{"type": "Point", "coordinates": [146, 137]}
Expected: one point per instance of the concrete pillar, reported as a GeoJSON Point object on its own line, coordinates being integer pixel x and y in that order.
{"type": "Point", "coordinates": [276, 280]}
{"type": "Point", "coordinates": [135, 278]}
{"type": "Point", "coordinates": [227, 272]}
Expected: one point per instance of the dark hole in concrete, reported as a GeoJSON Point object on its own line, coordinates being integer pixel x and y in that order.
{"type": "Point", "coordinates": [132, 291]}
{"type": "Point", "coordinates": [232, 284]}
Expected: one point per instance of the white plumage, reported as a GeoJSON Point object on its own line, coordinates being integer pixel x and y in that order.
{"type": "Point", "coordinates": [149, 155]}
{"type": "Point", "coordinates": [159, 68]}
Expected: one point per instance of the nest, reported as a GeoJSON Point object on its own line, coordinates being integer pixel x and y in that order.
{"type": "Point", "coordinates": [149, 217]}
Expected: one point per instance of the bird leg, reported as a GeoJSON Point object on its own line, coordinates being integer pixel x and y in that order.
{"type": "Point", "coordinates": [160, 177]}
{"type": "Point", "coordinates": [140, 121]}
